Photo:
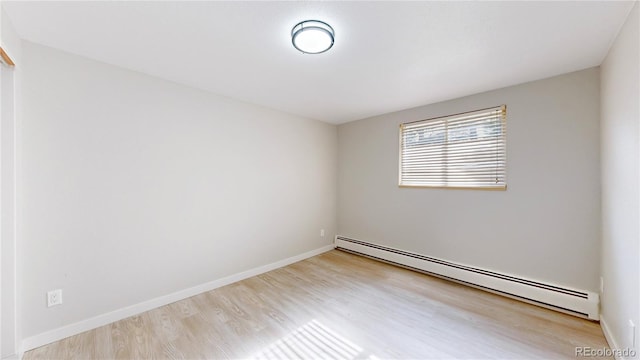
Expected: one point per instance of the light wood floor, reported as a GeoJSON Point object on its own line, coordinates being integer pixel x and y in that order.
{"type": "Point", "coordinates": [337, 305]}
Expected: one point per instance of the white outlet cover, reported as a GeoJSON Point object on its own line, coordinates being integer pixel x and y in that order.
{"type": "Point", "coordinates": [54, 297]}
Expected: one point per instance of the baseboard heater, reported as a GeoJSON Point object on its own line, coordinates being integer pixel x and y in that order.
{"type": "Point", "coordinates": [576, 302]}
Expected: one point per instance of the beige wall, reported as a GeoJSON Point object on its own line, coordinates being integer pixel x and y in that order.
{"type": "Point", "coordinates": [136, 187]}
{"type": "Point", "coordinates": [620, 96]}
{"type": "Point", "coordinates": [546, 226]}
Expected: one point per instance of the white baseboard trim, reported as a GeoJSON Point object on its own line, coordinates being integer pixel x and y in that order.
{"type": "Point", "coordinates": [123, 313]}
{"type": "Point", "coordinates": [609, 336]}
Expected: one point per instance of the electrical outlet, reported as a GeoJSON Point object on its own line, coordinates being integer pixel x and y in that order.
{"type": "Point", "coordinates": [54, 297]}
{"type": "Point", "coordinates": [632, 334]}
{"type": "Point", "coordinates": [322, 232]}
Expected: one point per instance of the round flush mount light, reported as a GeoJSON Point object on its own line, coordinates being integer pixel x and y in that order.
{"type": "Point", "coordinates": [312, 36]}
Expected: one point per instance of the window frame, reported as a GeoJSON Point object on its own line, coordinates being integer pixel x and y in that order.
{"type": "Point", "coordinates": [503, 127]}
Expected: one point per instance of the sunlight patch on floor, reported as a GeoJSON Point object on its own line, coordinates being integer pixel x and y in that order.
{"type": "Point", "coordinates": [312, 341]}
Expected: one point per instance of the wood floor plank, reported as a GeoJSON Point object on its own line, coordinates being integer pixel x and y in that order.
{"type": "Point", "coordinates": [337, 306]}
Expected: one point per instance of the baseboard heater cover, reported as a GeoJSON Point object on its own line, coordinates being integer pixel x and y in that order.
{"type": "Point", "coordinates": [576, 302]}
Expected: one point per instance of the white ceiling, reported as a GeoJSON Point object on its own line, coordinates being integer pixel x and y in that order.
{"type": "Point", "coordinates": [387, 56]}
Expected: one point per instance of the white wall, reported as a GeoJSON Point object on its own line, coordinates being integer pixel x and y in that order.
{"type": "Point", "coordinates": [136, 187]}
{"type": "Point", "coordinates": [545, 226]}
{"type": "Point", "coordinates": [620, 141]}
{"type": "Point", "coordinates": [9, 85]}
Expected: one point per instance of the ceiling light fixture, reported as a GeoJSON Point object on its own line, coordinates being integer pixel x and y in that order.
{"type": "Point", "coordinates": [312, 36]}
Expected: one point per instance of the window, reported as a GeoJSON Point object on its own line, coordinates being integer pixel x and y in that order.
{"type": "Point", "coordinates": [466, 150]}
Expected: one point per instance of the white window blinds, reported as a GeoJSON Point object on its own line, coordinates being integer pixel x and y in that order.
{"type": "Point", "coordinates": [466, 150]}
